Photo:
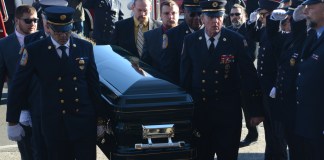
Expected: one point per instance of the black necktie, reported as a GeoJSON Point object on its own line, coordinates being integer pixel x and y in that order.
{"type": "Point", "coordinates": [64, 56]}
{"type": "Point", "coordinates": [211, 46]}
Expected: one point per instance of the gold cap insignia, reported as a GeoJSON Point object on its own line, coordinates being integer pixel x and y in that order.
{"type": "Point", "coordinates": [215, 4]}
{"type": "Point", "coordinates": [63, 17]}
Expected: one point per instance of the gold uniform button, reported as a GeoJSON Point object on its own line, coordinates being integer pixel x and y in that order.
{"type": "Point", "coordinates": [203, 81]}
{"type": "Point", "coordinates": [297, 102]}
{"type": "Point", "coordinates": [62, 101]}
{"type": "Point", "coordinates": [203, 71]}
{"type": "Point", "coordinates": [216, 72]}
{"type": "Point", "coordinates": [76, 88]}
{"type": "Point", "coordinates": [63, 111]}
{"type": "Point", "coordinates": [60, 90]}
{"type": "Point", "coordinates": [216, 82]}
{"type": "Point", "coordinates": [203, 90]}
{"type": "Point", "coordinates": [59, 78]}
{"type": "Point", "coordinates": [204, 99]}
{"type": "Point", "coordinates": [77, 110]}
{"type": "Point", "coordinates": [74, 78]}
{"type": "Point", "coordinates": [76, 100]}
{"type": "Point", "coordinates": [299, 74]}
{"type": "Point", "coordinates": [216, 91]}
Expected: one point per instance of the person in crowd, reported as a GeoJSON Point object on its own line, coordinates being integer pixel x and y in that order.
{"type": "Point", "coordinates": [171, 53]}
{"type": "Point", "coordinates": [238, 19]}
{"type": "Point", "coordinates": [106, 14]}
{"type": "Point", "coordinates": [276, 147]}
{"type": "Point", "coordinates": [214, 68]}
{"type": "Point", "coordinates": [155, 40]}
{"type": "Point", "coordinates": [128, 33]}
{"type": "Point", "coordinates": [78, 17]}
{"type": "Point", "coordinates": [70, 94]}
{"type": "Point", "coordinates": [310, 110]}
{"type": "Point", "coordinates": [26, 23]}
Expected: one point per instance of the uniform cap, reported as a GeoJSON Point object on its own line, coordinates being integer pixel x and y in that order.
{"type": "Point", "coordinates": [309, 2]}
{"type": "Point", "coordinates": [268, 5]}
{"type": "Point", "coordinates": [215, 8]}
{"type": "Point", "coordinates": [50, 3]}
{"type": "Point", "coordinates": [191, 5]}
{"type": "Point", "coordinates": [60, 18]}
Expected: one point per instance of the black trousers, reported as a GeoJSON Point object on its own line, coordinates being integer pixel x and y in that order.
{"type": "Point", "coordinates": [40, 151]}
{"type": "Point", "coordinates": [311, 149]}
{"type": "Point", "coordinates": [25, 145]}
{"type": "Point", "coordinates": [276, 146]}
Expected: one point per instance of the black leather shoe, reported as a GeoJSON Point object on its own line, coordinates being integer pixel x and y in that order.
{"type": "Point", "coordinates": [248, 140]}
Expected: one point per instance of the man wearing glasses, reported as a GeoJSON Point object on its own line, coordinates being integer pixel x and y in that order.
{"type": "Point", "coordinates": [238, 19]}
{"type": "Point", "coordinates": [26, 23]}
{"type": "Point", "coordinates": [70, 96]}
{"type": "Point", "coordinates": [171, 54]}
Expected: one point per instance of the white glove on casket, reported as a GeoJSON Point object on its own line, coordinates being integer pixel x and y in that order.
{"type": "Point", "coordinates": [278, 15]}
{"type": "Point", "coordinates": [273, 92]}
{"type": "Point", "coordinates": [254, 16]}
{"type": "Point", "coordinates": [298, 14]}
{"type": "Point", "coordinates": [16, 132]}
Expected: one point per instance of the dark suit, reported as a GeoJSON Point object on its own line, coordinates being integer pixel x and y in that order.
{"type": "Point", "coordinates": [171, 54]}
{"type": "Point", "coordinates": [35, 37]}
{"type": "Point", "coordinates": [9, 56]}
{"type": "Point", "coordinates": [310, 110]}
{"type": "Point", "coordinates": [152, 48]}
{"type": "Point", "coordinates": [124, 35]}
{"type": "Point", "coordinates": [70, 97]}
{"type": "Point", "coordinates": [215, 82]}
{"type": "Point", "coordinates": [105, 17]}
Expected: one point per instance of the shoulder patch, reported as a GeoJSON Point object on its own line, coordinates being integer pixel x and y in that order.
{"type": "Point", "coordinates": [164, 41]}
{"type": "Point", "coordinates": [24, 58]}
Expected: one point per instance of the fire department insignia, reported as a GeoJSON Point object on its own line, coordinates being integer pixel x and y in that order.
{"type": "Point", "coordinates": [164, 41]}
{"type": "Point", "coordinates": [63, 17]}
{"type": "Point", "coordinates": [24, 58]}
{"type": "Point", "coordinates": [215, 4]}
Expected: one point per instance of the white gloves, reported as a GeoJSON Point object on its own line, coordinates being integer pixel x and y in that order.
{"type": "Point", "coordinates": [254, 16]}
{"type": "Point", "coordinates": [273, 92]}
{"type": "Point", "coordinates": [298, 14]}
{"type": "Point", "coordinates": [25, 118]}
{"type": "Point", "coordinates": [278, 15]}
{"type": "Point", "coordinates": [16, 132]}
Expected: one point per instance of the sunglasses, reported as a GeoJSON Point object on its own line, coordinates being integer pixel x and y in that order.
{"type": "Point", "coordinates": [235, 14]}
{"type": "Point", "coordinates": [194, 14]}
{"type": "Point", "coordinates": [29, 21]}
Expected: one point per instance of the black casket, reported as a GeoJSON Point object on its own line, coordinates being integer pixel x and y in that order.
{"type": "Point", "coordinates": [149, 118]}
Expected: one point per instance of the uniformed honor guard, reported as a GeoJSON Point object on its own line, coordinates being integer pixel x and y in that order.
{"type": "Point", "coordinates": [215, 68]}
{"type": "Point", "coordinates": [171, 53]}
{"type": "Point", "coordinates": [70, 96]}
{"type": "Point", "coordinates": [310, 86]}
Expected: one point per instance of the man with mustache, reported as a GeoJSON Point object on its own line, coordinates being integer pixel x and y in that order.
{"type": "Point", "coordinates": [238, 20]}
{"type": "Point", "coordinates": [128, 33]}
{"type": "Point", "coordinates": [310, 87]}
{"type": "Point", "coordinates": [156, 40]}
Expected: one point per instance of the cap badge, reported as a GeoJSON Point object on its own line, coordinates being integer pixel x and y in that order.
{"type": "Point", "coordinates": [63, 17]}
{"type": "Point", "coordinates": [215, 4]}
